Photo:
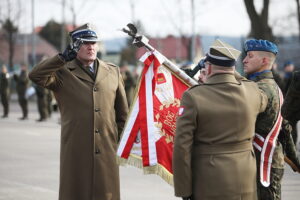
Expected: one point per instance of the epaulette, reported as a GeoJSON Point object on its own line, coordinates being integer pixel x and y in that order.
{"type": "Point", "coordinates": [111, 64]}
{"type": "Point", "coordinates": [246, 80]}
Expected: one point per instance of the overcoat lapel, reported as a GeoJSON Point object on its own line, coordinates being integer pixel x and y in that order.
{"type": "Point", "coordinates": [77, 71]}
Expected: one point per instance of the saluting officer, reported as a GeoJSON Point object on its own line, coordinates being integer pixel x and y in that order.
{"type": "Point", "coordinates": [258, 62]}
{"type": "Point", "coordinates": [213, 154]}
{"type": "Point", "coordinates": [22, 82]}
{"type": "Point", "coordinates": [92, 102]}
{"type": "Point", "coordinates": [4, 89]}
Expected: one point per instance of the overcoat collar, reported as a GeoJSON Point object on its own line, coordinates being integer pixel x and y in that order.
{"type": "Point", "coordinates": [221, 78]}
{"type": "Point", "coordinates": [103, 71]}
{"type": "Point", "coordinates": [75, 68]}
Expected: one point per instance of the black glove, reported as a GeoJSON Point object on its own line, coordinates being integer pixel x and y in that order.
{"type": "Point", "coordinates": [70, 52]}
{"type": "Point", "coordinates": [187, 198]}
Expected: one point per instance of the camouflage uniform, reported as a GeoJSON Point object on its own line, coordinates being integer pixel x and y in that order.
{"type": "Point", "coordinates": [265, 122]}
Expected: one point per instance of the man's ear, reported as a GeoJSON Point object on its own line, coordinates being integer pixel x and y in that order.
{"type": "Point", "coordinates": [208, 70]}
{"type": "Point", "coordinates": [265, 61]}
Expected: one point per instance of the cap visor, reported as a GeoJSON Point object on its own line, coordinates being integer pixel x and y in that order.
{"type": "Point", "coordinates": [90, 39]}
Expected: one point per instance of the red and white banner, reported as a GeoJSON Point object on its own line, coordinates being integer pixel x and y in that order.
{"type": "Point", "coordinates": [148, 136]}
{"type": "Point", "coordinates": [267, 146]}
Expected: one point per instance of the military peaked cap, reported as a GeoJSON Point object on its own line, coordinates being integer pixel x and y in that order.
{"type": "Point", "coordinates": [85, 33]}
{"type": "Point", "coordinates": [222, 54]}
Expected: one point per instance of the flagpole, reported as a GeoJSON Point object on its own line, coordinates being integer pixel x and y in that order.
{"type": "Point", "coordinates": [142, 41]}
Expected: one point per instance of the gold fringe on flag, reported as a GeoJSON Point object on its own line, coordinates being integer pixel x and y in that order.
{"type": "Point", "coordinates": [158, 169]}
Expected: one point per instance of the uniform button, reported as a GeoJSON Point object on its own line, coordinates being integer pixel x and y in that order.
{"type": "Point", "coordinates": [97, 110]}
{"type": "Point", "coordinates": [97, 151]}
{"type": "Point", "coordinates": [97, 131]}
{"type": "Point", "coordinates": [95, 89]}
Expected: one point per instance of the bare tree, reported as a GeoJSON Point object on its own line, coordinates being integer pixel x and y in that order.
{"type": "Point", "coordinates": [187, 38]}
{"type": "Point", "coordinates": [298, 16]}
{"type": "Point", "coordinates": [75, 12]}
{"type": "Point", "coordinates": [9, 24]}
{"type": "Point", "coordinates": [260, 28]}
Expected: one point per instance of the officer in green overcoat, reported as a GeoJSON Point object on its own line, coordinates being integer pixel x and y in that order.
{"type": "Point", "coordinates": [92, 102]}
{"type": "Point", "coordinates": [213, 155]}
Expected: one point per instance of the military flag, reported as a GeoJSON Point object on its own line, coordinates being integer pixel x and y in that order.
{"type": "Point", "coordinates": [148, 136]}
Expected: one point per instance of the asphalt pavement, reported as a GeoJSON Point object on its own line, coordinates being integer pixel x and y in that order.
{"type": "Point", "coordinates": [29, 164]}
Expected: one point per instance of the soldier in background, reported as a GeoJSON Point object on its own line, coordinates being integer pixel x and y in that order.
{"type": "Point", "coordinates": [4, 89]}
{"type": "Point", "coordinates": [277, 76]}
{"type": "Point", "coordinates": [129, 83]}
{"type": "Point", "coordinates": [213, 155]}
{"type": "Point", "coordinates": [288, 71]}
{"type": "Point", "coordinates": [49, 102]}
{"type": "Point", "coordinates": [22, 82]}
{"type": "Point", "coordinates": [291, 105]}
{"type": "Point", "coordinates": [260, 56]}
{"type": "Point", "coordinates": [41, 94]}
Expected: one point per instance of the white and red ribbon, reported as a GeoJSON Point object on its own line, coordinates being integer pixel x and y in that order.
{"type": "Point", "coordinates": [267, 145]}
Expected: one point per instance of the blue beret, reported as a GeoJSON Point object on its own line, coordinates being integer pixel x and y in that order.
{"type": "Point", "coordinates": [260, 45]}
{"type": "Point", "coordinates": [288, 63]}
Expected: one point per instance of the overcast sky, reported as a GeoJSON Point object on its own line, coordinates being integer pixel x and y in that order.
{"type": "Point", "coordinates": [158, 17]}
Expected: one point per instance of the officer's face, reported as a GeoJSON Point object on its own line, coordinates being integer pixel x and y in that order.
{"type": "Point", "coordinates": [252, 62]}
{"type": "Point", "coordinates": [87, 52]}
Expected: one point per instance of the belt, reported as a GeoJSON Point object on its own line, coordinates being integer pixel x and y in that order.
{"type": "Point", "coordinates": [203, 149]}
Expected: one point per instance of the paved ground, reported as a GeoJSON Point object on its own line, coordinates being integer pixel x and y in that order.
{"type": "Point", "coordinates": [29, 164]}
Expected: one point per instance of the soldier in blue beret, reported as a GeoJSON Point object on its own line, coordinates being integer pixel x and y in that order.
{"type": "Point", "coordinates": [269, 141]}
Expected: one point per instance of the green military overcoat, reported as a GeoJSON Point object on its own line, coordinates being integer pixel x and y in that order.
{"type": "Point", "coordinates": [93, 114]}
{"type": "Point", "coordinates": [213, 155]}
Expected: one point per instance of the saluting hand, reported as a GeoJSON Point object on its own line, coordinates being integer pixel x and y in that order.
{"type": "Point", "coordinates": [70, 52]}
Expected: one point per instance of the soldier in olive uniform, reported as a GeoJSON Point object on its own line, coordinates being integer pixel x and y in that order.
{"type": "Point", "coordinates": [4, 89]}
{"type": "Point", "coordinates": [258, 62]}
{"type": "Point", "coordinates": [41, 94]}
{"type": "Point", "coordinates": [213, 155]}
{"type": "Point", "coordinates": [92, 102]}
{"type": "Point", "coordinates": [129, 82]}
{"type": "Point", "coordinates": [291, 105]}
{"type": "Point", "coordinates": [288, 69]}
{"type": "Point", "coordinates": [22, 82]}
{"type": "Point", "coordinates": [277, 76]}
{"type": "Point", "coordinates": [49, 102]}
